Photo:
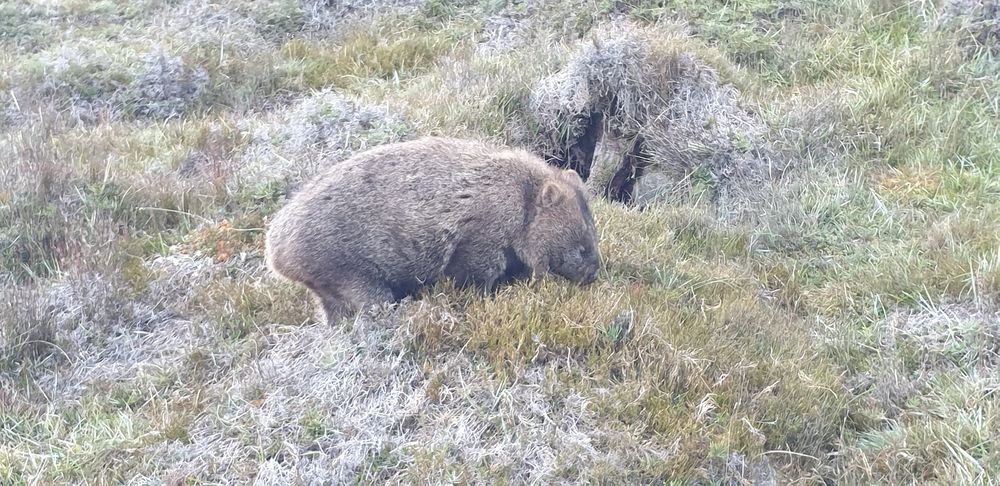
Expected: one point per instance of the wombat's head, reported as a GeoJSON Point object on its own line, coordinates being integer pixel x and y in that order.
{"type": "Point", "coordinates": [562, 238]}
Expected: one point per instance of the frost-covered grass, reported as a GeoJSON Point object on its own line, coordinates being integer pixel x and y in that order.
{"type": "Point", "coordinates": [847, 331]}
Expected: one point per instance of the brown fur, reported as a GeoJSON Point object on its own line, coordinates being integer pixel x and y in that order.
{"type": "Point", "coordinates": [387, 221]}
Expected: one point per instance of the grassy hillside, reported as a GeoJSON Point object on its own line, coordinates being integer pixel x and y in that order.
{"type": "Point", "coordinates": [842, 326]}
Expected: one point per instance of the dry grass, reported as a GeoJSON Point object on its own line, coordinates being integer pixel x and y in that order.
{"type": "Point", "coordinates": [838, 323]}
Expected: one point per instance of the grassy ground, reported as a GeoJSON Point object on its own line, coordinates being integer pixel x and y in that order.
{"type": "Point", "coordinates": [850, 332]}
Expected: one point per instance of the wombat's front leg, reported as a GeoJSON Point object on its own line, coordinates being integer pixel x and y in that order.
{"type": "Point", "coordinates": [481, 270]}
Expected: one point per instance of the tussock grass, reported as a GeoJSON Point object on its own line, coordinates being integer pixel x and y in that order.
{"type": "Point", "coordinates": [364, 55]}
{"type": "Point", "coordinates": [846, 333]}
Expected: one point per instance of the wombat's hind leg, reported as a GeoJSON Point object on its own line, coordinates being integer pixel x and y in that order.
{"type": "Point", "coordinates": [334, 306]}
{"type": "Point", "coordinates": [362, 293]}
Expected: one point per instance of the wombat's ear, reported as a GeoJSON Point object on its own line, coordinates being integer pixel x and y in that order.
{"type": "Point", "coordinates": [570, 176]}
{"type": "Point", "coordinates": [551, 194]}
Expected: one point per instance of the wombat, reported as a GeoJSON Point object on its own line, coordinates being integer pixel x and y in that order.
{"type": "Point", "coordinates": [380, 225]}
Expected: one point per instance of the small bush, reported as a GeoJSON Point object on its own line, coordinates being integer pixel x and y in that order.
{"type": "Point", "coordinates": [166, 87]}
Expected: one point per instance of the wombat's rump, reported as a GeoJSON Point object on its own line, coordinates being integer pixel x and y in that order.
{"type": "Point", "coordinates": [387, 221]}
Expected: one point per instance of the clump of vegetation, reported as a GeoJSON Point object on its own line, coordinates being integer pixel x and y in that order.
{"type": "Point", "coordinates": [363, 55]}
{"type": "Point", "coordinates": [977, 21]}
{"type": "Point", "coordinates": [166, 87]}
{"type": "Point", "coordinates": [316, 131]}
{"type": "Point", "coordinates": [27, 334]}
{"type": "Point", "coordinates": [96, 82]}
{"type": "Point", "coordinates": [671, 114]}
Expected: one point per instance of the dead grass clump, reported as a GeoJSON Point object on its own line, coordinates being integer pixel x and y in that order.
{"type": "Point", "coordinates": [945, 436]}
{"type": "Point", "coordinates": [511, 26]}
{"type": "Point", "coordinates": [166, 87]}
{"type": "Point", "coordinates": [26, 26]}
{"type": "Point", "coordinates": [324, 16]}
{"type": "Point", "coordinates": [10, 113]}
{"type": "Point", "coordinates": [79, 319]}
{"type": "Point", "coordinates": [515, 25]}
{"type": "Point", "coordinates": [318, 130]}
{"type": "Point", "coordinates": [35, 225]}
{"type": "Point", "coordinates": [279, 19]}
{"type": "Point", "coordinates": [504, 32]}
{"type": "Point", "coordinates": [87, 306]}
{"type": "Point", "coordinates": [675, 118]}
{"type": "Point", "coordinates": [113, 331]}
{"type": "Point", "coordinates": [211, 25]}
{"type": "Point", "coordinates": [85, 78]}
{"type": "Point", "coordinates": [735, 468]}
{"type": "Point", "coordinates": [944, 336]}
{"type": "Point", "coordinates": [276, 19]}
{"type": "Point", "coordinates": [611, 81]}
{"type": "Point", "coordinates": [26, 331]}
{"type": "Point", "coordinates": [177, 276]}
{"type": "Point", "coordinates": [907, 351]}
{"type": "Point", "coordinates": [977, 22]}
{"type": "Point", "coordinates": [95, 82]}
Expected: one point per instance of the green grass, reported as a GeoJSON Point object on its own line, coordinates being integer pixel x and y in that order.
{"type": "Point", "coordinates": [848, 335]}
{"type": "Point", "coordinates": [364, 56]}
